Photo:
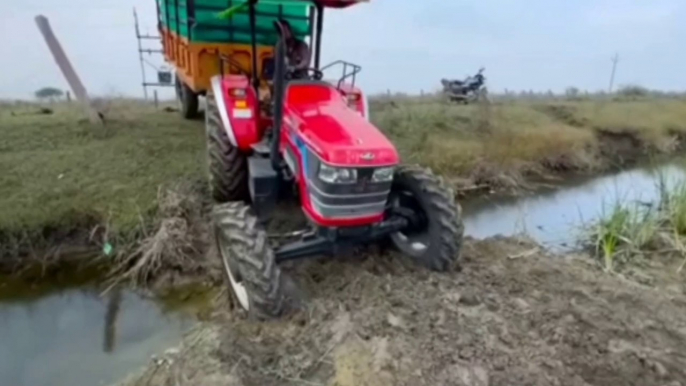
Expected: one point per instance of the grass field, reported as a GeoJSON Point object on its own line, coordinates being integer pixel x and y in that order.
{"type": "Point", "coordinates": [503, 142]}
{"type": "Point", "coordinates": [61, 173]}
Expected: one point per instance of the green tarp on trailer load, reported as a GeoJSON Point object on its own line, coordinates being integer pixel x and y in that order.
{"type": "Point", "coordinates": [198, 21]}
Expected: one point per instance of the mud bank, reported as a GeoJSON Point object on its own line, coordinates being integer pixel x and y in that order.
{"type": "Point", "coordinates": [512, 315]}
{"type": "Point", "coordinates": [168, 249]}
{"type": "Point", "coordinates": [610, 152]}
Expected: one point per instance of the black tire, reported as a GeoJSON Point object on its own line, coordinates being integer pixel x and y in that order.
{"type": "Point", "coordinates": [188, 100]}
{"type": "Point", "coordinates": [441, 231]}
{"type": "Point", "coordinates": [248, 260]}
{"type": "Point", "coordinates": [228, 167]}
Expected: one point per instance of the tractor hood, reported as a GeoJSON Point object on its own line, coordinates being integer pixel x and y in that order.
{"type": "Point", "coordinates": [319, 115]}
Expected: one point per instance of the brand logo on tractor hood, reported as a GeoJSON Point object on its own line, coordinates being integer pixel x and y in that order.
{"type": "Point", "coordinates": [367, 156]}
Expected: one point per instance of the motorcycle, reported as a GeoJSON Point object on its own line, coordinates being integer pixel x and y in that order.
{"type": "Point", "coordinates": [471, 89]}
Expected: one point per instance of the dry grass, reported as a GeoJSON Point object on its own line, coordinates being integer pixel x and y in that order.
{"type": "Point", "coordinates": [481, 141]}
{"type": "Point", "coordinates": [174, 244]}
{"type": "Point", "coordinates": [653, 121]}
{"type": "Point", "coordinates": [503, 142]}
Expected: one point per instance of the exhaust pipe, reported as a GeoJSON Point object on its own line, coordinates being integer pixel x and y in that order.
{"type": "Point", "coordinates": [278, 99]}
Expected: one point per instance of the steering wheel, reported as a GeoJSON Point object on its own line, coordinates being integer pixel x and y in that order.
{"type": "Point", "coordinates": [316, 74]}
{"type": "Point", "coordinates": [312, 73]}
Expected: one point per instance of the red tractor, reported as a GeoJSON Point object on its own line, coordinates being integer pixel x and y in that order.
{"type": "Point", "coordinates": [313, 138]}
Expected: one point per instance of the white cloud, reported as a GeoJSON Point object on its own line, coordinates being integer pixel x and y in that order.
{"type": "Point", "coordinates": [402, 45]}
{"type": "Point", "coordinates": [626, 15]}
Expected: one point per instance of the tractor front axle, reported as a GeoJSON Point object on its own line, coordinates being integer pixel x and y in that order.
{"type": "Point", "coordinates": [331, 241]}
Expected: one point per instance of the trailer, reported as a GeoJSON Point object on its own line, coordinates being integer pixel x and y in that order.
{"type": "Point", "coordinates": [199, 44]}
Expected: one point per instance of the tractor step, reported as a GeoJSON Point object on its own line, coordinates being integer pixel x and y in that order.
{"type": "Point", "coordinates": [261, 147]}
{"type": "Point", "coordinates": [263, 185]}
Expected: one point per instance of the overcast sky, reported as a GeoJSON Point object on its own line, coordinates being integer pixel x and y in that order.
{"type": "Point", "coordinates": [403, 45]}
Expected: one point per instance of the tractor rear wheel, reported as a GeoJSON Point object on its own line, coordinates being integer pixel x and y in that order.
{"type": "Point", "coordinates": [188, 99]}
{"type": "Point", "coordinates": [249, 263]}
{"type": "Point", "coordinates": [435, 239]}
{"type": "Point", "coordinates": [228, 167]}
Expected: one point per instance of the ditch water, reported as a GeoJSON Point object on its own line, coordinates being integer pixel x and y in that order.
{"type": "Point", "coordinates": [72, 336]}
{"type": "Point", "coordinates": [555, 218]}
{"type": "Point", "coordinates": [75, 336]}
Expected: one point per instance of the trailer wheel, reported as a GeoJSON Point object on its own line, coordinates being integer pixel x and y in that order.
{"type": "Point", "coordinates": [188, 100]}
{"type": "Point", "coordinates": [249, 263]}
{"type": "Point", "coordinates": [228, 168]}
{"type": "Point", "coordinates": [433, 241]}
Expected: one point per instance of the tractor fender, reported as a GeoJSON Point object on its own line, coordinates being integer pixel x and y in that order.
{"type": "Point", "coordinates": [218, 93]}
{"type": "Point", "coordinates": [239, 115]}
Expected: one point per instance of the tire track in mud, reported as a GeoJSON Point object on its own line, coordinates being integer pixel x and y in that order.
{"type": "Point", "coordinates": [511, 315]}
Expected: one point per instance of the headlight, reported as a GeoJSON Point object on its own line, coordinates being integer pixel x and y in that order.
{"type": "Point", "coordinates": [383, 174]}
{"type": "Point", "coordinates": [334, 175]}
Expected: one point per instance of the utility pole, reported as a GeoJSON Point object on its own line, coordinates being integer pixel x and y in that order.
{"type": "Point", "coordinates": [67, 69]}
{"type": "Point", "coordinates": [615, 59]}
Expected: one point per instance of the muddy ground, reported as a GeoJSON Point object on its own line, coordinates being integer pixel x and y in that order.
{"type": "Point", "coordinates": [512, 315]}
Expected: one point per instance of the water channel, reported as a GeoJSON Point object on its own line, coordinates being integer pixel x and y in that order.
{"type": "Point", "coordinates": [72, 336]}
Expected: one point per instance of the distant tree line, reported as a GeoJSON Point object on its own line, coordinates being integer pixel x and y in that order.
{"type": "Point", "coordinates": [49, 94]}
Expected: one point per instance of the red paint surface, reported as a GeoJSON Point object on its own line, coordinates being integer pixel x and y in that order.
{"type": "Point", "coordinates": [246, 130]}
{"type": "Point", "coordinates": [336, 133]}
{"type": "Point", "coordinates": [319, 115]}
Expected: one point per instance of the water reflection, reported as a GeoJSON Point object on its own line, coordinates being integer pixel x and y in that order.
{"type": "Point", "coordinates": [554, 218]}
{"type": "Point", "coordinates": [113, 306]}
{"type": "Point", "coordinates": [57, 340]}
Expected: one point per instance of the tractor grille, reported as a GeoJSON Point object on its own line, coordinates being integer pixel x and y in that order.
{"type": "Point", "coordinates": [363, 198]}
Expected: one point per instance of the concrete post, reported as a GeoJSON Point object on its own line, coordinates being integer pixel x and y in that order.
{"type": "Point", "coordinates": [65, 66]}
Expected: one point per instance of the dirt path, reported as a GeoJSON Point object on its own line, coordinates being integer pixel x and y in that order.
{"type": "Point", "coordinates": [513, 316]}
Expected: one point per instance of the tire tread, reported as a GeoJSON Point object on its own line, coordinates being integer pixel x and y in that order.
{"type": "Point", "coordinates": [255, 258]}
{"type": "Point", "coordinates": [228, 169]}
{"type": "Point", "coordinates": [440, 199]}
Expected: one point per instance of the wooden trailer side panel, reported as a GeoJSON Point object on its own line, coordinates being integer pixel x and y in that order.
{"type": "Point", "coordinates": [197, 62]}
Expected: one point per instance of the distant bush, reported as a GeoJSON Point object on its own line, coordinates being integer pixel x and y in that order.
{"type": "Point", "coordinates": [633, 91]}
{"type": "Point", "coordinates": [48, 93]}
{"type": "Point", "coordinates": [572, 92]}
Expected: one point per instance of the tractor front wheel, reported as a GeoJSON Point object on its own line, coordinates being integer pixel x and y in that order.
{"type": "Point", "coordinates": [249, 263]}
{"type": "Point", "coordinates": [434, 238]}
{"type": "Point", "coordinates": [228, 167]}
{"type": "Point", "coordinates": [188, 100]}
